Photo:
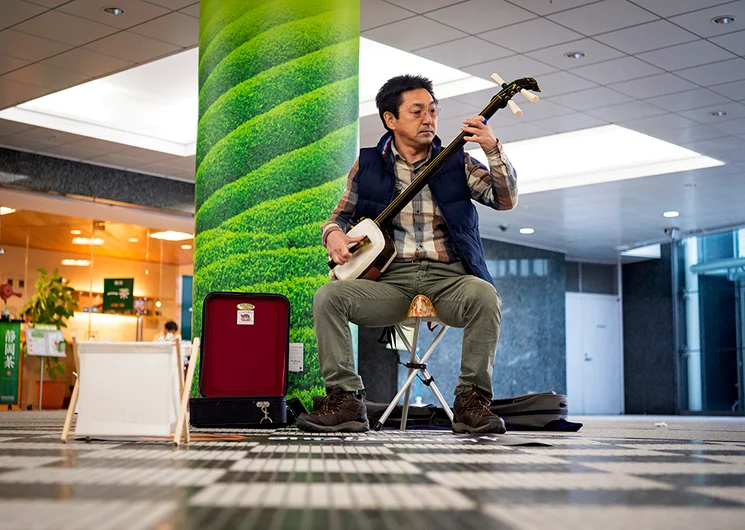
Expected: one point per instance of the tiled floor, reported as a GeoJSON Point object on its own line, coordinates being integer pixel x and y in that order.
{"type": "Point", "coordinates": [620, 472]}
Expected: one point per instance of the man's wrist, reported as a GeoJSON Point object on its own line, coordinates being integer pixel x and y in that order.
{"type": "Point", "coordinates": [332, 227]}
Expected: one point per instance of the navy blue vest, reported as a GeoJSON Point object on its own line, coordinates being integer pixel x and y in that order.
{"type": "Point", "coordinates": [449, 188]}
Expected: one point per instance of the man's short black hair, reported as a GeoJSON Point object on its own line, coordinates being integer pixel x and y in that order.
{"type": "Point", "coordinates": [389, 96]}
{"type": "Point", "coordinates": [171, 326]}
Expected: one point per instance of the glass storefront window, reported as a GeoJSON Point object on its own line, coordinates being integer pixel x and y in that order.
{"type": "Point", "coordinates": [711, 322]}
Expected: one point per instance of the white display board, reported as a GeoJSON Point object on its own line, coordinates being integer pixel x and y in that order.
{"type": "Point", "coordinates": [45, 341]}
{"type": "Point", "coordinates": [127, 389]}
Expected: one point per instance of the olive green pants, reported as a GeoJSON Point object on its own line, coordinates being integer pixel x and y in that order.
{"type": "Point", "coordinates": [460, 299]}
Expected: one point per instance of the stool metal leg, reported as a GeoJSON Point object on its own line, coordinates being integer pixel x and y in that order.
{"type": "Point", "coordinates": [411, 377]}
{"type": "Point", "coordinates": [412, 359]}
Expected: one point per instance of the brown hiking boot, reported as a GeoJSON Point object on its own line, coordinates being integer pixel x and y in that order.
{"type": "Point", "coordinates": [472, 414]}
{"type": "Point", "coordinates": [339, 411]}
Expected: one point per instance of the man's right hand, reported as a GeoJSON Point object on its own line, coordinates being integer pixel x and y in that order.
{"type": "Point", "coordinates": [337, 245]}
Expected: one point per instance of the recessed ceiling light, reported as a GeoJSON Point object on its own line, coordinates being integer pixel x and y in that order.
{"type": "Point", "coordinates": [574, 55]}
{"type": "Point", "coordinates": [133, 240]}
{"type": "Point", "coordinates": [113, 11]}
{"type": "Point", "coordinates": [75, 232]}
{"type": "Point", "coordinates": [76, 262]}
{"type": "Point", "coordinates": [718, 113]}
{"type": "Point", "coordinates": [158, 304]}
{"type": "Point", "coordinates": [5, 210]}
{"type": "Point", "coordinates": [170, 235]}
{"type": "Point", "coordinates": [724, 19]}
{"type": "Point", "coordinates": [671, 213]}
{"type": "Point", "coordinates": [526, 231]}
{"type": "Point", "coordinates": [186, 247]}
{"type": "Point", "coordinates": [87, 241]}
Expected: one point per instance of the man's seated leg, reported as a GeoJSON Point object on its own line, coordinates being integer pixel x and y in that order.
{"type": "Point", "coordinates": [336, 304]}
{"type": "Point", "coordinates": [468, 302]}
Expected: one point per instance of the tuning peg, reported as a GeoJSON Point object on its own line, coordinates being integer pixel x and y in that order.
{"type": "Point", "coordinates": [528, 95]}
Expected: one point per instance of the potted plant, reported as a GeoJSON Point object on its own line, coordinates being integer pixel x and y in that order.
{"type": "Point", "coordinates": [52, 305]}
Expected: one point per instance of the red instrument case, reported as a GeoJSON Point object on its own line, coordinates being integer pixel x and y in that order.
{"type": "Point", "coordinates": [244, 361]}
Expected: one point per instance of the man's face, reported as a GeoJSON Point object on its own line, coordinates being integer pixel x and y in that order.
{"type": "Point", "coordinates": [416, 124]}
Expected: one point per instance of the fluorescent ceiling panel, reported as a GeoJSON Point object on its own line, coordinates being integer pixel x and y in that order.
{"type": "Point", "coordinates": [648, 251]}
{"type": "Point", "coordinates": [593, 156]}
{"type": "Point", "coordinates": [154, 106]}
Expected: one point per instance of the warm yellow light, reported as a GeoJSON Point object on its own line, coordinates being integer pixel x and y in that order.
{"type": "Point", "coordinates": [170, 235]}
{"type": "Point", "coordinates": [76, 262]}
{"type": "Point", "coordinates": [87, 241]}
{"type": "Point", "coordinates": [133, 240]}
{"type": "Point", "coordinates": [186, 247]}
{"type": "Point", "coordinates": [75, 232]}
{"type": "Point", "coordinates": [158, 304]}
{"type": "Point", "coordinates": [5, 209]}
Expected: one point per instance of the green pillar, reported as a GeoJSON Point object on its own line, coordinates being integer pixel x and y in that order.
{"type": "Point", "coordinates": [278, 118]}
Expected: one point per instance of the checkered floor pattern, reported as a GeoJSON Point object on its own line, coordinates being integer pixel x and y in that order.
{"type": "Point", "coordinates": [602, 477]}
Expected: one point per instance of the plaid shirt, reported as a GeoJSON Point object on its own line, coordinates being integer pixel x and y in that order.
{"type": "Point", "coordinates": [419, 230]}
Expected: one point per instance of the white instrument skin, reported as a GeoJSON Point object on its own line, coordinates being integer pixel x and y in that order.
{"type": "Point", "coordinates": [372, 256]}
{"type": "Point", "coordinates": [363, 262]}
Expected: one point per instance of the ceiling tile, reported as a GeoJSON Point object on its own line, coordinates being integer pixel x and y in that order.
{"type": "Point", "coordinates": [530, 35]}
{"type": "Point", "coordinates": [719, 145]}
{"type": "Point", "coordinates": [422, 6]}
{"type": "Point", "coordinates": [26, 144]}
{"type": "Point", "coordinates": [665, 122]}
{"type": "Point", "coordinates": [593, 98]}
{"type": "Point", "coordinates": [145, 156]}
{"type": "Point", "coordinates": [594, 51]}
{"type": "Point", "coordinates": [192, 10]}
{"type": "Point", "coordinates": [176, 28]}
{"type": "Point", "coordinates": [666, 8]}
{"type": "Point", "coordinates": [510, 68]}
{"type": "Point", "coordinates": [476, 16]}
{"type": "Point", "coordinates": [46, 76]}
{"type": "Point", "coordinates": [626, 112]}
{"type": "Point", "coordinates": [522, 131]}
{"type": "Point", "coordinates": [399, 34]}
{"type": "Point", "coordinates": [562, 83]}
{"type": "Point", "coordinates": [135, 11]}
{"type": "Point", "coordinates": [12, 127]}
{"type": "Point", "coordinates": [29, 47]}
{"type": "Point", "coordinates": [12, 93]}
{"type": "Point", "coordinates": [65, 28]}
{"type": "Point", "coordinates": [703, 115]}
{"type": "Point", "coordinates": [731, 127]}
{"type": "Point", "coordinates": [541, 7]}
{"type": "Point", "coordinates": [685, 135]}
{"type": "Point", "coordinates": [602, 17]}
{"type": "Point", "coordinates": [572, 122]}
{"type": "Point", "coordinates": [87, 63]}
{"type": "Point", "coordinates": [130, 47]}
{"type": "Point", "coordinates": [49, 135]}
{"type": "Point", "coordinates": [14, 11]}
{"type": "Point", "coordinates": [8, 64]}
{"type": "Point", "coordinates": [616, 70]}
{"type": "Point", "coordinates": [72, 151]}
{"type": "Point", "coordinates": [47, 3]}
{"type": "Point", "coordinates": [734, 91]}
{"type": "Point", "coordinates": [691, 99]}
{"type": "Point", "coordinates": [542, 110]}
{"type": "Point", "coordinates": [686, 55]}
{"type": "Point", "coordinates": [699, 22]}
{"type": "Point", "coordinates": [717, 73]}
{"type": "Point", "coordinates": [463, 52]}
{"type": "Point", "coordinates": [374, 13]}
{"type": "Point", "coordinates": [652, 86]}
{"type": "Point", "coordinates": [98, 146]}
{"type": "Point", "coordinates": [172, 4]}
{"type": "Point", "coordinates": [649, 36]}
{"type": "Point", "coordinates": [734, 42]}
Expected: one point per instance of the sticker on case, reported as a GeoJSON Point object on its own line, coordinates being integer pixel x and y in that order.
{"type": "Point", "coordinates": [245, 315]}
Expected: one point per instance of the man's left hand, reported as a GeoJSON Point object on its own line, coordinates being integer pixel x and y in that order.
{"type": "Point", "coordinates": [480, 133]}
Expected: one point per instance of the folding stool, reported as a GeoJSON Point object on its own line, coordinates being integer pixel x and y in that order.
{"type": "Point", "coordinates": [421, 310]}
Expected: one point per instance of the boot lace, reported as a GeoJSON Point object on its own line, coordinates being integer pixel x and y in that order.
{"type": "Point", "coordinates": [331, 404]}
{"type": "Point", "coordinates": [477, 404]}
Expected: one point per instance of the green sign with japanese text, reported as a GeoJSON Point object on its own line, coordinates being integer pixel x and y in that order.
{"type": "Point", "coordinates": [10, 334]}
{"type": "Point", "coordinates": [118, 295]}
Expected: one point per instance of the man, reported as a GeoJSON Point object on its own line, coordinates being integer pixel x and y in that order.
{"type": "Point", "coordinates": [170, 332]}
{"type": "Point", "coordinates": [439, 255]}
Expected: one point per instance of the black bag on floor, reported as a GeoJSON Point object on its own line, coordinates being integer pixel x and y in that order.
{"type": "Point", "coordinates": [543, 411]}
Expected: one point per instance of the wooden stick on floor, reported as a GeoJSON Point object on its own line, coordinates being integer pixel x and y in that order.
{"type": "Point", "coordinates": [181, 424]}
{"type": "Point", "coordinates": [75, 392]}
